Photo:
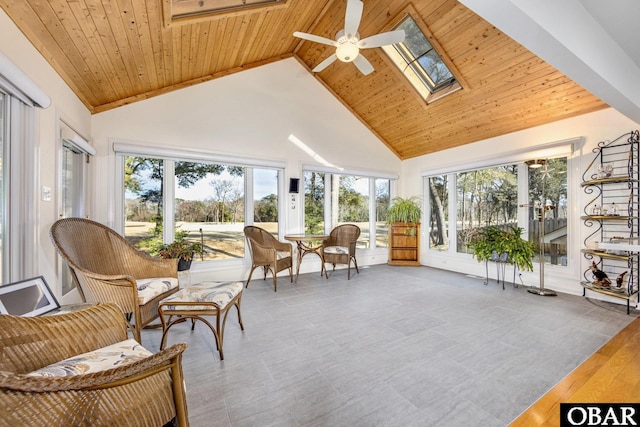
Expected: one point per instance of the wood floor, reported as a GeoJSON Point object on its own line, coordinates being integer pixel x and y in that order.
{"type": "Point", "coordinates": [611, 375]}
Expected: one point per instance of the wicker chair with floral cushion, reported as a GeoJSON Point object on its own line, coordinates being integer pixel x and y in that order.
{"type": "Point", "coordinates": [269, 253]}
{"type": "Point", "coordinates": [340, 248]}
{"type": "Point", "coordinates": [107, 268]}
{"type": "Point", "coordinates": [81, 369]}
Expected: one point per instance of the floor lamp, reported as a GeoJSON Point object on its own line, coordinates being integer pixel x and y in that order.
{"type": "Point", "coordinates": [536, 164]}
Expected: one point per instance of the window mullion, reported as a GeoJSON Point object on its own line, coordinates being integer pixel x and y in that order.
{"type": "Point", "coordinates": [372, 213]}
{"type": "Point", "coordinates": [168, 201]}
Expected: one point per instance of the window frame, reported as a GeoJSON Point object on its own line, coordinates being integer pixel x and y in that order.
{"type": "Point", "coordinates": [408, 75]}
{"type": "Point", "coordinates": [554, 150]}
{"type": "Point", "coordinates": [328, 176]}
{"type": "Point", "coordinates": [170, 155]}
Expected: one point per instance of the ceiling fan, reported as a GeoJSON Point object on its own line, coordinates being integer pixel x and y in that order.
{"type": "Point", "coordinates": [348, 43]}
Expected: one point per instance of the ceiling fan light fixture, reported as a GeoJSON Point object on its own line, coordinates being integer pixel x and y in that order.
{"type": "Point", "coordinates": [347, 51]}
{"type": "Point", "coordinates": [535, 164]}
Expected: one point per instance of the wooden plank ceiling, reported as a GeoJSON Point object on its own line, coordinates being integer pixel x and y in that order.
{"type": "Point", "coordinates": [115, 52]}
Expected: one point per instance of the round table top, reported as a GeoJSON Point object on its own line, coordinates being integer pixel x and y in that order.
{"type": "Point", "coordinates": [304, 237]}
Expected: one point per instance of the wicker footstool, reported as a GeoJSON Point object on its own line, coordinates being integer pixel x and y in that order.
{"type": "Point", "coordinates": [202, 299]}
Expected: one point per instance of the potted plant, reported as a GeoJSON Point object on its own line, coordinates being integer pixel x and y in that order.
{"type": "Point", "coordinates": [496, 244]}
{"type": "Point", "coordinates": [407, 211]}
{"type": "Point", "coordinates": [521, 251]}
{"type": "Point", "coordinates": [183, 250]}
{"type": "Point", "coordinates": [403, 218]}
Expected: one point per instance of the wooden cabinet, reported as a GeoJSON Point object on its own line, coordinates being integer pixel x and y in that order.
{"type": "Point", "coordinates": [612, 180]}
{"type": "Point", "coordinates": [404, 244]}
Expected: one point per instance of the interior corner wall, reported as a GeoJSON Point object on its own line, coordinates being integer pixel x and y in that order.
{"type": "Point", "coordinates": [591, 128]}
{"type": "Point", "coordinates": [65, 105]}
{"type": "Point", "coordinates": [250, 114]}
{"type": "Point", "coordinates": [247, 114]}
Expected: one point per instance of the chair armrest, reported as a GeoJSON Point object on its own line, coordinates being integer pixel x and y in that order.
{"type": "Point", "coordinates": [148, 266]}
{"type": "Point", "coordinates": [283, 246]}
{"type": "Point", "coordinates": [151, 365]}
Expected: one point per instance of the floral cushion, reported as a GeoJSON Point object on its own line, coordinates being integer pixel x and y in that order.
{"type": "Point", "coordinates": [337, 250]}
{"type": "Point", "coordinates": [148, 289]}
{"type": "Point", "coordinates": [118, 354]}
{"type": "Point", "coordinates": [218, 292]}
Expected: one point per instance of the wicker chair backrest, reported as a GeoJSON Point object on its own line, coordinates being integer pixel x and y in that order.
{"type": "Point", "coordinates": [23, 339]}
{"type": "Point", "coordinates": [259, 235]}
{"type": "Point", "coordinates": [344, 235]}
{"type": "Point", "coordinates": [93, 247]}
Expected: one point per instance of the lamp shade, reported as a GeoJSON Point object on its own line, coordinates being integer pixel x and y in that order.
{"type": "Point", "coordinates": [347, 51]}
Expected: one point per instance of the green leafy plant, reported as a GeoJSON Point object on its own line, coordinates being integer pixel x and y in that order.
{"type": "Point", "coordinates": [404, 210]}
{"type": "Point", "coordinates": [407, 211]}
{"type": "Point", "coordinates": [520, 251]}
{"type": "Point", "coordinates": [181, 249]}
{"type": "Point", "coordinates": [486, 242]}
{"type": "Point", "coordinates": [492, 241]}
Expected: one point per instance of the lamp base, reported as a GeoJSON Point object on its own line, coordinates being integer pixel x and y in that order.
{"type": "Point", "coordinates": [543, 292]}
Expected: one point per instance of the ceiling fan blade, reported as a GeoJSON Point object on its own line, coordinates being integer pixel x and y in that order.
{"type": "Point", "coordinates": [352, 17]}
{"type": "Point", "coordinates": [363, 64]}
{"type": "Point", "coordinates": [324, 64]}
{"type": "Point", "coordinates": [314, 38]}
{"type": "Point", "coordinates": [382, 39]}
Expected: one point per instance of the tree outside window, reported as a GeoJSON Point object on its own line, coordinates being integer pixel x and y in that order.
{"type": "Point", "coordinates": [209, 205]}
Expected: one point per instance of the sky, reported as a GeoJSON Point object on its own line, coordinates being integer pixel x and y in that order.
{"type": "Point", "coordinates": [265, 184]}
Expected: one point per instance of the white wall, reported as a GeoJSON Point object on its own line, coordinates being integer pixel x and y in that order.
{"type": "Point", "coordinates": [248, 114]}
{"type": "Point", "coordinates": [589, 129]}
{"type": "Point", "coordinates": [64, 105]}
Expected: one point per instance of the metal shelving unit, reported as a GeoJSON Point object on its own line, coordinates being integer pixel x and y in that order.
{"type": "Point", "coordinates": [613, 179]}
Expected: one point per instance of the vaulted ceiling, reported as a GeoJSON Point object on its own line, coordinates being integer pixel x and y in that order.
{"type": "Point", "coordinates": [113, 53]}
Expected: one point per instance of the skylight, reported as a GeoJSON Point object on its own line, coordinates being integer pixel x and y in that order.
{"type": "Point", "coordinates": [421, 64]}
{"type": "Point", "coordinates": [184, 8]}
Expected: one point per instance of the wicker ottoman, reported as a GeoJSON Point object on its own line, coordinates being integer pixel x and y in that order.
{"type": "Point", "coordinates": [202, 299]}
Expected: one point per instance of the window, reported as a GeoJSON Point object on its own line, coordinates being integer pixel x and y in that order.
{"type": "Point", "coordinates": [19, 96]}
{"type": "Point", "coordinates": [314, 195]}
{"type": "Point", "coordinates": [552, 180]}
{"type": "Point", "coordinates": [439, 216]}
{"type": "Point", "coordinates": [18, 189]}
{"type": "Point", "coordinates": [421, 63]}
{"type": "Point", "coordinates": [205, 201]}
{"type": "Point", "coordinates": [383, 198]}
{"type": "Point", "coordinates": [485, 197]}
{"type": "Point", "coordinates": [353, 205]}
{"type": "Point", "coordinates": [189, 8]}
{"type": "Point", "coordinates": [73, 182]}
{"type": "Point", "coordinates": [265, 199]}
{"type": "Point", "coordinates": [334, 199]}
{"type": "Point", "coordinates": [490, 197]}
{"type": "Point", "coordinates": [4, 128]}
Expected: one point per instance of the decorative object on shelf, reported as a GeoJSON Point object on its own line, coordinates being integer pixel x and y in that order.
{"type": "Point", "coordinates": [534, 164]}
{"type": "Point", "coordinates": [182, 249]}
{"type": "Point", "coordinates": [613, 177]}
{"type": "Point", "coordinates": [605, 170]}
{"type": "Point", "coordinates": [403, 219]}
{"type": "Point", "coordinates": [620, 279]}
{"type": "Point", "coordinates": [600, 277]}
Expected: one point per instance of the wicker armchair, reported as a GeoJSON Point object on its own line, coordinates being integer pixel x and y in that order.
{"type": "Point", "coordinates": [107, 268]}
{"type": "Point", "coordinates": [340, 248]}
{"type": "Point", "coordinates": [147, 391]}
{"type": "Point", "coordinates": [269, 253]}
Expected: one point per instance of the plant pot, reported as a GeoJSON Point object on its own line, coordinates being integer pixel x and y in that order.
{"type": "Point", "coordinates": [184, 264]}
